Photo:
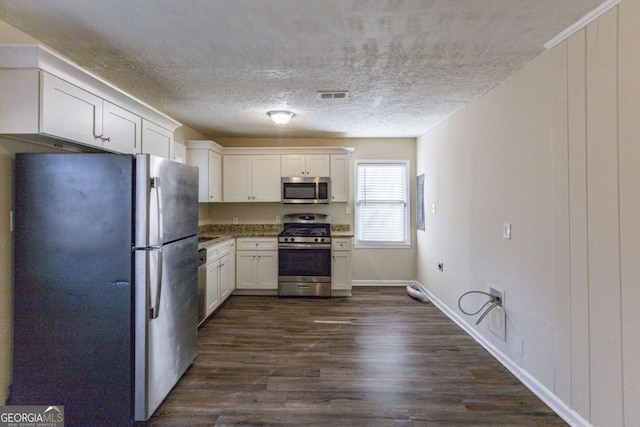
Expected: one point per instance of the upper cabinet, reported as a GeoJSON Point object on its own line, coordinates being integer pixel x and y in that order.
{"type": "Point", "coordinates": [251, 178]}
{"type": "Point", "coordinates": [340, 177]}
{"type": "Point", "coordinates": [47, 98]}
{"type": "Point", "coordinates": [156, 140]}
{"type": "Point", "coordinates": [74, 114]}
{"type": "Point", "coordinates": [305, 165]}
{"type": "Point", "coordinates": [206, 156]}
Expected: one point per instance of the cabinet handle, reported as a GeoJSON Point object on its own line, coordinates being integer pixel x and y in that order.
{"type": "Point", "coordinates": [107, 139]}
{"type": "Point", "coordinates": [97, 136]}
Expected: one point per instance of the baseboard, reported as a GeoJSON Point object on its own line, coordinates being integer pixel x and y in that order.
{"type": "Point", "coordinates": [546, 395]}
{"type": "Point", "coordinates": [382, 282]}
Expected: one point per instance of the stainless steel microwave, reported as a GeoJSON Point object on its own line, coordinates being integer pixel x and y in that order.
{"type": "Point", "coordinates": [306, 190]}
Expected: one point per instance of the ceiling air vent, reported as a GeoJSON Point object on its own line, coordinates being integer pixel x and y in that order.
{"type": "Point", "coordinates": [338, 94]}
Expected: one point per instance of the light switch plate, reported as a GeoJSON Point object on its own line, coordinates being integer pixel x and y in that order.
{"type": "Point", "coordinates": [506, 231]}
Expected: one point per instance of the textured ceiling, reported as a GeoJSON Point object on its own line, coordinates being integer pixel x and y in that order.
{"type": "Point", "coordinates": [218, 66]}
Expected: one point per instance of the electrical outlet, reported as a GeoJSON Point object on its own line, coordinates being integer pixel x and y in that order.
{"type": "Point", "coordinates": [497, 295]}
{"type": "Point", "coordinates": [235, 220]}
{"type": "Point", "coordinates": [433, 208]}
{"type": "Point", "coordinates": [278, 219]}
{"type": "Point", "coordinates": [497, 316]}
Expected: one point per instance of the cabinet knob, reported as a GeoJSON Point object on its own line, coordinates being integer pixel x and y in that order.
{"type": "Point", "coordinates": [107, 139]}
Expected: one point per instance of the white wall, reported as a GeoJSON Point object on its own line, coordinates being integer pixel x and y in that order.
{"type": "Point", "coordinates": [554, 151]}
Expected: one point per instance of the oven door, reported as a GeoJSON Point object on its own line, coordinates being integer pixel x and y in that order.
{"type": "Point", "coordinates": [311, 261]}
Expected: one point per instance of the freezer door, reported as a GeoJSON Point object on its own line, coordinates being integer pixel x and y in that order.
{"type": "Point", "coordinates": [166, 200]}
{"type": "Point", "coordinates": [167, 334]}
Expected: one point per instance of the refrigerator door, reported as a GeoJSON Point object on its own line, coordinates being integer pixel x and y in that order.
{"type": "Point", "coordinates": [166, 278]}
{"type": "Point", "coordinates": [167, 200]}
{"type": "Point", "coordinates": [73, 285]}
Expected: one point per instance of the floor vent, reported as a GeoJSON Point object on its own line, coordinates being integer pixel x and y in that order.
{"type": "Point", "coordinates": [340, 94]}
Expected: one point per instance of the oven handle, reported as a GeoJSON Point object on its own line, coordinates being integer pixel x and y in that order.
{"type": "Point", "coordinates": [304, 246]}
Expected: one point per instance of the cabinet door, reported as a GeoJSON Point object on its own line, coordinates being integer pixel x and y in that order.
{"type": "Point", "coordinates": [341, 270]}
{"type": "Point", "coordinates": [225, 287]}
{"type": "Point", "coordinates": [245, 270]}
{"type": "Point", "coordinates": [293, 165]}
{"type": "Point", "coordinates": [318, 165]}
{"type": "Point", "coordinates": [266, 178]}
{"type": "Point", "coordinates": [122, 130]}
{"type": "Point", "coordinates": [267, 270]}
{"type": "Point", "coordinates": [215, 177]}
{"type": "Point", "coordinates": [236, 180]}
{"type": "Point", "coordinates": [68, 112]}
{"type": "Point", "coordinates": [156, 140]}
{"type": "Point", "coordinates": [339, 177]}
{"type": "Point", "coordinates": [213, 286]}
{"type": "Point", "coordinates": [232, 267]}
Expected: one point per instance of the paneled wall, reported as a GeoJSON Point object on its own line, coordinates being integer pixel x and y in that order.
{"type": "Point", "coordinates": [555, 151]}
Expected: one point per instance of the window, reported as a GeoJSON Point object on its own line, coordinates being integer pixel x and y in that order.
{"type": "Point", "coordinates": [382, 203]}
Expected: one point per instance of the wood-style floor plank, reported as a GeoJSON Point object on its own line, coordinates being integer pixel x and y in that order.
{"type": "Point", "coordinates": [378, 358]}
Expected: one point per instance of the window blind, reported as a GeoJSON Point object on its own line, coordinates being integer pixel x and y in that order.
{"type": "Point", "coordinates": [382, 203]}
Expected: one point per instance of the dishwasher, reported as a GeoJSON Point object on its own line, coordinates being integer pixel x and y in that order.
{"type": "Point", "coordinates": [202, 284]}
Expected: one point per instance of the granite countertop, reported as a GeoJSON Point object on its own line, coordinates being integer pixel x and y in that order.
{"type": "Point", "coordinates": [218, 233]}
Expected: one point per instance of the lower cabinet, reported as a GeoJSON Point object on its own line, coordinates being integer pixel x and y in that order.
{"type": "Point", "coordinates": [257, 263]}
{"type": "Point", "coordinates": [341, 267]}
{"type": "Point", "coordinates": [220, 274]}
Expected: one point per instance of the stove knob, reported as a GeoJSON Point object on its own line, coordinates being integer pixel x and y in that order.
{"type": "Point", "coordinates": [286, 239]}
{"type": "Point", "coordinates": [322, 240]}
{"type": "Point", "coordinates": [317, 240]}
{"type": "Point", "coordinates": [292, 239]}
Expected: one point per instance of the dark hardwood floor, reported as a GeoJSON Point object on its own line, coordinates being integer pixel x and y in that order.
{"type": "Point", "coordinates": [379, 358]}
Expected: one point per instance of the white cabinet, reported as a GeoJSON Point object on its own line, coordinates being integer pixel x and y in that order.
{"type": "Point", "coordinates": [220, 274]}
{"type": "Point", "coordinates": [68, 112]}
{"type": "Point", "coordinates": [209, 165]}
{"type": "Point", "coordinates": [257, 263]}
{"type": "Point", "coordinates": [251, 178]}
{"type": "Point", "coordinates": [213, 285]}
{"type": "Point", "coordinates": [228, 272]}
{"type": "Point", "coordinates": [122, 129]}
{"type": "Point", "coordinates": [75, 114]}
{"type": "Point", "coordinates": [47, 99]}
{"type": "Point", "coordinates": [311, 165]}
{"type": "Point", "coordinates": [156, 140]}
{"type": "Point", "coordinates": [341, 267]}
{"type": "Point", "coordinates": [340, 177]}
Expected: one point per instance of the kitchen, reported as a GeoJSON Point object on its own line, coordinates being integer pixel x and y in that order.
{"type": "Point", "coordinates": [471, 189]}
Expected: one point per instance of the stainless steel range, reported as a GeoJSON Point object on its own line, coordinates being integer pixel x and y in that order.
{"type": "Point", "coordinates": [304, 256]}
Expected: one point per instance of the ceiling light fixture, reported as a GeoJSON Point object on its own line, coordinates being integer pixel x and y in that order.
{"type": "Point", "coordinates": [281, 117]}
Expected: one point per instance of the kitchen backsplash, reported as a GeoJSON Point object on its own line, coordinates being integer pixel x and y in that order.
{"type": "Point", "coordinates": [224, 229]}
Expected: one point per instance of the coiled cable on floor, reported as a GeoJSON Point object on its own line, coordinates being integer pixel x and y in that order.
{"type": "Point", "coordinates": [492, 303]}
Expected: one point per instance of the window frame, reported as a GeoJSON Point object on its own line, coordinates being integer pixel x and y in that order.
{"type": "Point", "coordinates": [358, 243]}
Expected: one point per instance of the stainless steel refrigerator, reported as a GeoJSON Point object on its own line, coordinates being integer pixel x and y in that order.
{"type": "Point", "coordinates": [105, 286]}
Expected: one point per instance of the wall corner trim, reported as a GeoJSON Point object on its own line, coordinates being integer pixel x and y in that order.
{"type": "Point", "coordinates": [546, 395]}
{"type": "Point", "coordinates": [581, 23]}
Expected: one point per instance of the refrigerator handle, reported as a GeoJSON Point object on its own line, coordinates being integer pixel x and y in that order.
{"type": "Point", "coordinates": [155, 305]}
{"type": "Point", "coordinates": [155, 184]}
